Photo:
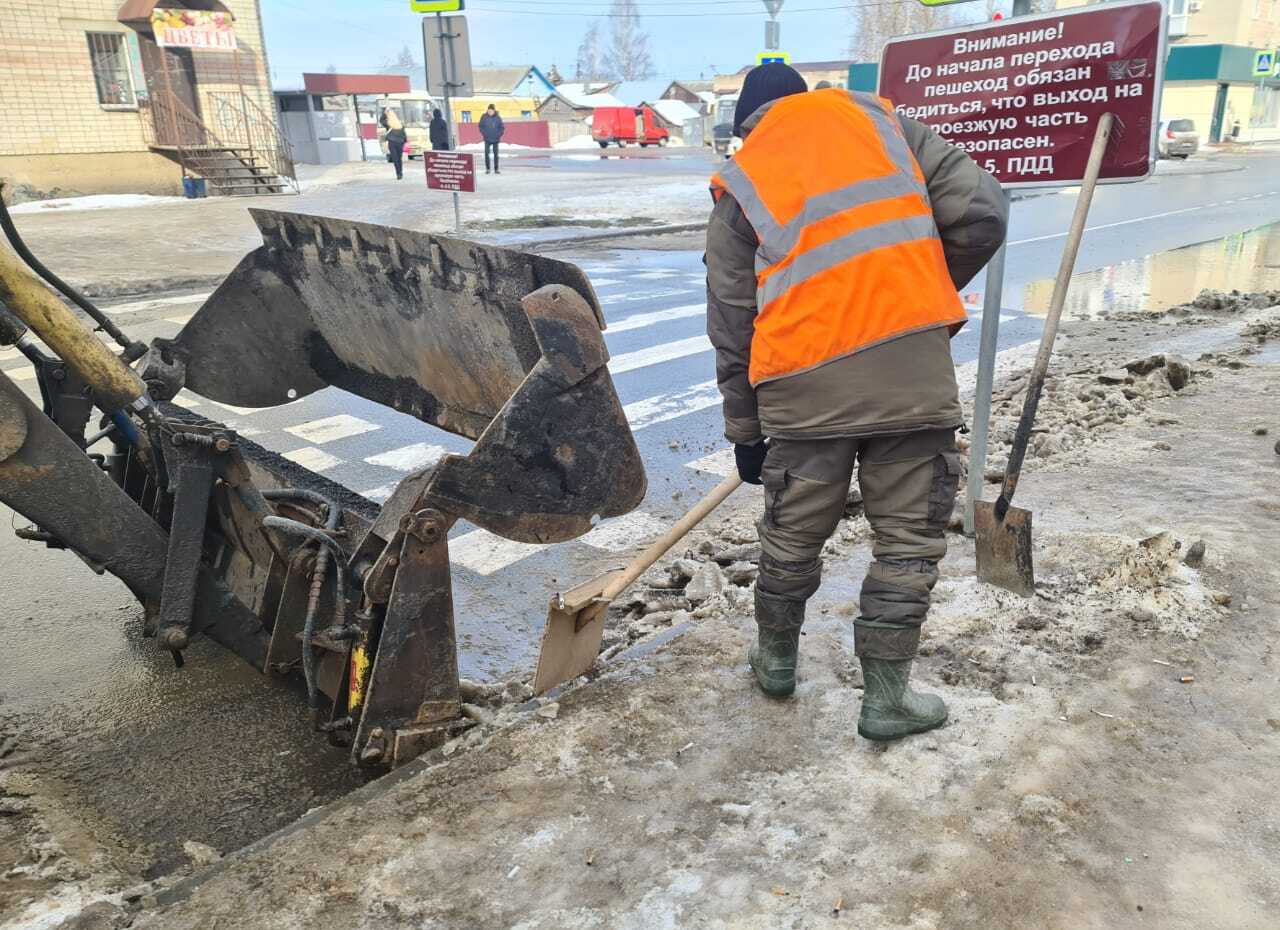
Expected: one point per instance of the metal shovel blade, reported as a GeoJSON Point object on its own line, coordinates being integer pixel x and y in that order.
{"type": "Point", "coordinates": [574, 630]}
{"type": "Point", "coordinates": [1004, 548]}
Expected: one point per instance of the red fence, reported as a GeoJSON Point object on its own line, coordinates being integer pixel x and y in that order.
{"type": "Point", "coordinates": [533, 133]}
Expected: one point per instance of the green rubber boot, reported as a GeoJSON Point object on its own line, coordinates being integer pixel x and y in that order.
{"type": "Point", "coordinates": [891, 710]}
{"type": "Point", "coordinates": [774, 654]}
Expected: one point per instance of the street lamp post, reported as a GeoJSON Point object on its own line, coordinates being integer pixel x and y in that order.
{"type": "Point", "coordinates": [772, 28]}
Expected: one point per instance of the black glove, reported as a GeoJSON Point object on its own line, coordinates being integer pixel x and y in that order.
{"type": "Point", "coordinates": [750, 460]}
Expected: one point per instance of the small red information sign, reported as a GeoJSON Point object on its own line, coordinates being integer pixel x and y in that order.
{"type": "Point", "coordinates": [1024, 96]}
{"type": "Point", "coordinates": [451, 171]}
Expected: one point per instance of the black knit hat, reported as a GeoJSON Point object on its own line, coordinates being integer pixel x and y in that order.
{"type": "Point", "coordinates": [763, 84]}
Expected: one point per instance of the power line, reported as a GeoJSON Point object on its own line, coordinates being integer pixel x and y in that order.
{"type": "Point", "coordinates": [608, 14]}
{"type": "Point", "coordinates": [678, 4]}
{"type": "Point", "coordinates": [605, 11]}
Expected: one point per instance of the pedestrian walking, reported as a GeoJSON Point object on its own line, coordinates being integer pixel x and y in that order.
{"type": "Point", "coordinates": [438, 132]}
{"type": "Point", "coordinates": [839, 237]}
{"type": "Point", "coordinates": [396, 140]}
{"type": "Point", "coordinates": [491, 130]}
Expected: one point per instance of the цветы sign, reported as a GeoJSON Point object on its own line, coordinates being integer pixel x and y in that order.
{"type": "Point", "coordinates": [196, 29]}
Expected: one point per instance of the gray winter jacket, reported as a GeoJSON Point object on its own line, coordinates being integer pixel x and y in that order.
{"type": "Point", "coordinates": [899, 386]}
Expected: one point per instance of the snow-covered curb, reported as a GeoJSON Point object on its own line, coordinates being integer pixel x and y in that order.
{"type": "Point", "coordinates": [93, 202]}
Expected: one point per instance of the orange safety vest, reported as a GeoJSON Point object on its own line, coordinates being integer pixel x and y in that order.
{"type": "Point", "coordinates": [849, 255]}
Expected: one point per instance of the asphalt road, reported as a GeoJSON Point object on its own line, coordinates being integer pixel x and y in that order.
{"type": "Point", "coordinates": [219, 754]}
{"type": "Point", "coordinates": [663, 369]}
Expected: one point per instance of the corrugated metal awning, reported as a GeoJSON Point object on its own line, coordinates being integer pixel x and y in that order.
{"type": "Point", "coordinates": [134, 10]}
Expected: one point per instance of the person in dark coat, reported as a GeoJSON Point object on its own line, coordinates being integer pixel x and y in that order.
{"type": "Point", "coordinates": [439, 132]}
{"type": "Point", "coordinates": [396, 140]}
{"type": "Point", "coordinates": [491, 130]}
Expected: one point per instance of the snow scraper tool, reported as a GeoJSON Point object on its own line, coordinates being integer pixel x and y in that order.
{"type": "Point", "coordinates": [575, 622]}
{"type": "Point", "coordinates": [1002, 531]}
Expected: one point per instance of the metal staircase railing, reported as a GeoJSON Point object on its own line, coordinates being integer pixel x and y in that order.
{"type": "Point", "coordinates": [237, 116]}
{"type": "Point", "coordinates": [241, 136]}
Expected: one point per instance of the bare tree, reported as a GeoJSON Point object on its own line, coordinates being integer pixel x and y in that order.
{"type": "Point", "coordinates": [332, 69]}
{"type": "Point", "coordinates": [627, 57]}
{"type": "Point", "coordinates": [402, 61]}
{"type": "Point", "coordinates": [873, 25]}
{"type": "Point", "coordinates": [589, 67]}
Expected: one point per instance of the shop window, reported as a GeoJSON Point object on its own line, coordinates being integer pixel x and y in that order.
{"type": "Point", "coordinates": [1265, 112]}
{"type": "Point", "coordinates": [526, 114]}
{"type": "Point", "coordinates": [466, 116]}
{"type": "Point", "coordinates": [112, 70]}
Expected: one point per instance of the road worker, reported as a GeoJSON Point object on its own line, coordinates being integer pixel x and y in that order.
{"type": "Point", "coordinates": [840, 234]}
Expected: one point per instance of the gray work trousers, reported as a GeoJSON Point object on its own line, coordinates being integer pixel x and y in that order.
{"type": "Point", "coordinates": [908, 485]}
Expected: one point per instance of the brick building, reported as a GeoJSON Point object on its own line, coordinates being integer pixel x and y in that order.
{"type": "Point", "coordinates": [107, 96]}
{"type": "Point", "coordinates": [1210, 78]}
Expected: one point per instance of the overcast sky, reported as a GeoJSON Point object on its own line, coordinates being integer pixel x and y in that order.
{"type": "Point", "coordinates": [720, 35]}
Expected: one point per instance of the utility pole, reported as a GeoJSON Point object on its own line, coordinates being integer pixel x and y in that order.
{"type": "Point", "coordinates": [448, 71]}
{"type": "Point", "coordinates": [772, 28]}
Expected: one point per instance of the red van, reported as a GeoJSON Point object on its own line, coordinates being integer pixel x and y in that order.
{"type": "Point", "coordinates": [621, 125]}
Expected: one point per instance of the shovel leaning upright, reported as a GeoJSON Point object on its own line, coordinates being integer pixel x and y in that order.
{"type": "Point", "coordinates": [1002, 531]}
{"type": "Point", "coordinates": [575, 622]}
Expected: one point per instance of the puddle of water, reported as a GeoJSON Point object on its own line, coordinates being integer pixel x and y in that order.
{"type": "Point", "coordinates": [1248, 261]}
{"type": "Point", "coordinates": [1269, 356]}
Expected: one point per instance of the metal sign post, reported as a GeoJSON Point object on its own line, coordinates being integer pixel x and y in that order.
{"type": "Point", "coordinates": [772, 28]}
{"type": "Point", "coordinates": [992, 297]}
{"type": "Point", "coordinates": [1022, 97]}
{"type": "Point", "coordinates": [988, 338]}
{"type": "Point", "coordinates": [450, 36]}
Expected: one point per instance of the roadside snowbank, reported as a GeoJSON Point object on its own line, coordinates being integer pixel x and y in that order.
{"type": "Point", "coordinates": [94, 202]}
{"type": "Point", "coordinates": [583, 141]}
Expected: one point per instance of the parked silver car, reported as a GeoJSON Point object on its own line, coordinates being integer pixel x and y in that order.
{"type": "Point", "coordinates": [1177, 138]}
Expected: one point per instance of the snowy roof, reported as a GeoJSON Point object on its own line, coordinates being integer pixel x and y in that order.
{"type": "Point", "coordinates": [707, 96]}
{"type": "Point", "coordinates": [600, 100]}
{"type": "Point", "coordinates": [674, 111]}
{"type": "Point", "coordinates": [840, 64]}
{"type": "Point", "coordinates": [693, 87]}
{"type": "Point", "coordinates": [508, 80]}
{"type": "Point", "coordinates": [588, 101]}
{"type": "Point", "coordinates": [577, 91]}
{"type": "Point", "coordinates": [634, 93]}
{"type": "Point", "coordinates": [497, 80]}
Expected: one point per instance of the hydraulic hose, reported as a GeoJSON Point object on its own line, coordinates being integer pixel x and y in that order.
{"type": "Point", "coordinates": [121, 421]}
{"type": "Point", "coordinates": [132, 350]}
{"type": "Point", "coordinates": [328, 546]}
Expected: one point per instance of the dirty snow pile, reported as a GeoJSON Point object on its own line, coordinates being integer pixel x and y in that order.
{"type": "Point", "coordinates": [64, 874]}
{"type": "Point", "coordinates": [1091, 589]}
{"type": "Point", "coordinates": [1208, 303]}
{"type": "Point", "coordinates": [60, 882]}
{"type": "Point", "coordinates": [582, 141]}
{"type": "Point", "coordinates": [1079, 407]}
{"type": "Point", "coordinates": [1082, 403]}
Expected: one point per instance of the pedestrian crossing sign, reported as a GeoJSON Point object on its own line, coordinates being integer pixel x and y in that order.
{"type": "Point", "coordinates": [437, 6]}
{"type": "Point", "coordinates": [773, 58]}
{"type": "Point", "coordinates": [1264, 63]}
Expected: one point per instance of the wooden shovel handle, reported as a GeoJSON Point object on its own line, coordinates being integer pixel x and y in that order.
{"type": "Point", "coordinates": [1041, 367]}
{"type": "Point", "coordinates": [658, 549]}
